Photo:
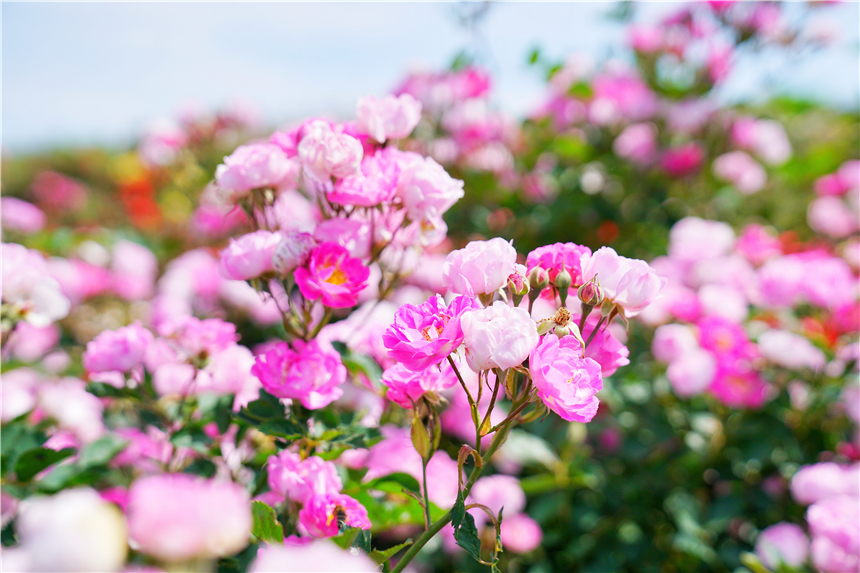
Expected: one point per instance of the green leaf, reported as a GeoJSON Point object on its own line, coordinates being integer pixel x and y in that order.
{"type": "Point", "coordinates": [362, 540]}
{"type": "Point", "coordinates": [33, 461]}
{"type": "Point", "coordinates": [192, 438]}
{"type": "Point", "coordinates": [266, 525]}
{"type": "Point", "coordinates": [101, 451]}
{"type": "Point", "coordinates": [283, 428]}
{"type": "Point", "coordinates": [382, 556]}
{"type": "Point", "coordinates": [467, 536]}
{"type": "Point", "coordinates": [398, 481]}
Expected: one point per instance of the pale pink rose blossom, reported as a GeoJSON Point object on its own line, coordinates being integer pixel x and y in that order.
{"type": "Point", "coordinates": [783, 543]}
{"type": "Point", "coordinates": [122, 349]}
{"type": "Point", "coordinates": [481, 267]}
{"type": "Point", "coordinates": [740, 170]}
{"type": "Point", "coordinates": [757, 244]}
{"type": "Point", "coordinates": [28, 343]}
{"type": "Point", "coordinates": [18, 392]}
{"type": "Point", "coordinates": [20, 216]}
{"type": "Point", "coordinates": [790, 350]}
{"type": "Point", "coordinates": [316, 556]}
{"type": "Point", "coordinates": [76, 410]}
{"type": "Point", "coordinates": [637, 143]}
{"type": "Point", "coordinates": [354, 234]}
{"type": "Point", "coordinates": [692, 372]}
{"type": "Point", "coordinates": [520, 533]}
{"type": "Point", "coordinates": [179, 517]}
{"type": "Point", "coordinates": [134, 269]}
{"type": "Point", "coordinates": [389, 117]}
{"type": "Point", "coordinates": [326, 152]}
{"type": "Point", "coordinates": [671, 341]}
{"type": "Point", "coordinates": [249, 256]}
{"type": "Point", "coordinates": [498, 336]}
{"type": "Point", "coordinates": [292, 251]}
{"type": "Point", "coordinates": [28, 285]}
{"type": "Point", "coordinates": [630, 283]}
{"type": "Point", "coordinates": [375, 183]}
{"type": "Point", "coordinates": [566, 382]}
{"type": "Point", "coordinates": [298, 479]}
{"type": "Point", "coordinates": [254, 166]}
{"type": "Point", "coordinates": [692, 239]}
{"type": "Point", "coordinates": [832, 217]}
{"type": "Point", "coordinates": [73, 530]}
{"type": "Point", "coordinates": [825, 480]}
{"type": "Point", "coordinates": [426, 189]}
{"type": "Point", "coordinates": [835, 527]}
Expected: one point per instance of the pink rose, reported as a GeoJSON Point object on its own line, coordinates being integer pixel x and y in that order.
{"type": "Point", "coordinates": [630, 283]}
{"type": "Point", "coordinates": [671, 341]}
{"type": "Point", "coordinates": [254, 166]}
{"type": "Point", "coordinates": [292, 251]}
{"type": "Point", "coordinates": [638, 143]}
{"type": "Point", "coordinates": [390, 117]}
{"type": "Point", "coordinates": [179, 517]}
{"type": "Point", "coordinates": [481, 267]}
{"type": "Point", "coordinates": [825, 480]}
{"type": "Point", "coordinates": [740, 170]}
{"type": "Point", "coordinates": [121, 350]}
{"type": "Point", "coordinates": [426, 189]}
{"type": "Point", "coordinates": [299, 480]}
{"type": "Point", "coordinates": [58, 192]}
{"type": "Point", "coordinates": [323, 515]}
{"type": "Point", "coordinates": [498, 336]}
{"type": "Point", "coordinates": [604, 348]}
{"type": "Point", "coordinates": [832, 217]}
{"type": "Point", "coordinates": [376, 183]}
{"type": "Point", "coordinates": [249, 256]}
{"type": "Point", "coordinates": [552, 258]}
{"type": "Point", "coordinates": [134, 269]}
{"type": "Point", "coordinates": [835, 527]}
{"type": "Point", "coordinates": [757, 244]}
{"type": "Point", "coordinates": [326, 152]}
{"type": "Point", "coordinates": [683, 160]}
{"type": "Point", "coordinates": [20, 216]}
{"type": "Point", "coordinates": [783, 543]}
{"type": "Point", "coordinates": [520, 533]}
{"type": "Point", "coordinates": [318, 555]}
{"type": "Point", "coordinates": [332, 275]}
{"type": "Point", "coordinates": [312, 373]}
{"type": "Point", "coordinates": [406, 386]}
{"type": "Point", "coordinates": [566, 382]}
{"type": "Point", "coordinates": [426, 334]}
{"type": "Point", "coordinates": [691, 372]}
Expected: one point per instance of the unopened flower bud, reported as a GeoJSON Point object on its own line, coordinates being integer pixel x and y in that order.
{"type": "Point", "coordinates": [591, 293]}
{"type": "Point", "coordinates": [292, 252]}
{"type": "Point", "coordinates": [563, 279]}
{"type": "Point", "coordinates": [518, 285]}
{"type": "Point", "coordinates": [538, 279]}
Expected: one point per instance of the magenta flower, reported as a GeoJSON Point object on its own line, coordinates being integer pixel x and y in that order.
{"type": "Point", "coordinates": [334, 276]}
{"type": "Point", "coordinates": [120, 350]}
{"type": "Point", "coordinates": [604, 349]}
{"type": "Point", "coordinates": [722, 336]}
{"type": "Point", "coordinates": [323, 515]}
{"type": "Point", "coordinates": [425, 335]}
{"type": "Point", "coordinates": [311, 373]}
{"type": "Point", "coordinates": [406, 386]}
{"type": "Point", "coordinates": [253, 166]}
{"type": "Point", "coordinates": [683, 160]}
{"type": "Point", "coordinates": [737, 385]}
{"type": "Point", "coordinates": [566, 382]}
{"type": "Point", "coordinates": [552, 258]}
{"type": "Point", "coordinates": [298, 479]}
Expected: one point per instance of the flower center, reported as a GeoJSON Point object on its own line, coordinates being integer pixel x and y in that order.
{"type": "Point", "coordinates": [337, 277]}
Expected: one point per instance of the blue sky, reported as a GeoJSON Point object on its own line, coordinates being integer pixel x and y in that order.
{"type": "Point", "coordinates": [84, 73]}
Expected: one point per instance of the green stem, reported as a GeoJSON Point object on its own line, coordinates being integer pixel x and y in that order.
{"type": "Point", "coordinates": [595, 331]}
{"type": "Point", "coordinates": [426, 496]}
{"type": "Point", "coordinates": [443, 521]}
